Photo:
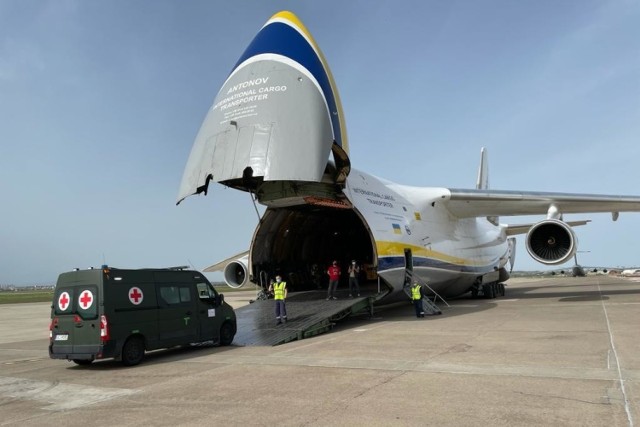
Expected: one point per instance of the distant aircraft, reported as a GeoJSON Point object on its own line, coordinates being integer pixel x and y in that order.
{"type": "Point", "coordinates": [276, 129]}
{"type": "Point", "coordinates": [630, 272]}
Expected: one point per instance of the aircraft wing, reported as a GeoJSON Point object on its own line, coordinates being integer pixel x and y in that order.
{"type": "Point", "coordinates": [222, 264]}
{"type": "Point", "coordinates": [514, 229]}
{"type": "Point", "coordinates": [476, 203]}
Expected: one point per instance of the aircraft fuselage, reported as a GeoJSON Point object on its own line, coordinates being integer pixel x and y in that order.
{"type": "Point", "coordinates": [386, 226]}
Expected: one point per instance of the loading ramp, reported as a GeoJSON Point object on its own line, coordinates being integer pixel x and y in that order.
{"type": "Point", "coordinates": [308, 314]}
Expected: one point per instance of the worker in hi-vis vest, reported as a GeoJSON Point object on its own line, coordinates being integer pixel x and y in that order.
{"type": "Point", "coordinates": [416, 297]}
{"type": "Point", "coordinates": [279, 289]}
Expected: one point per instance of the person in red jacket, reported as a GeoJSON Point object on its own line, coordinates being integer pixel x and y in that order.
{"type": "Point", "coordinates": [334, 277]}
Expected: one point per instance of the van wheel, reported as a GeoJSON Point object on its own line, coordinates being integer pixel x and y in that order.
{"type": "Point", "coordinates": [82, 362]}
{"type": "Point", "coordinates": [226, 334]}
{"type": "Point", "coordinates": [133, 351]}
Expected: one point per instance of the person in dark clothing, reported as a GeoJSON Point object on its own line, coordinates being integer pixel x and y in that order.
{"type": "Point", "coordinates": [354, 271]}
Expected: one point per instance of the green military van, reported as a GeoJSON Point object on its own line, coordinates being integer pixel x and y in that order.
{"type": "Point", "coordinates": [116, 313]}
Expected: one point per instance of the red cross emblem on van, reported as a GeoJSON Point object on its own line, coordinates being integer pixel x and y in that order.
{"type": "Point", "coordinates": [86, 299]}
{"type": "Point", "coordinates": [135, 295]}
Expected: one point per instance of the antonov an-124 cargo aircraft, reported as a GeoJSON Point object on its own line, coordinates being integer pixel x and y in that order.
{"type": "Point", "coordinates": [276, 129]}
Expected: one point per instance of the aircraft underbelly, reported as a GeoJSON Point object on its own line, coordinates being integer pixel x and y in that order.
{"type": "Point", "coordinates": [446, 283]}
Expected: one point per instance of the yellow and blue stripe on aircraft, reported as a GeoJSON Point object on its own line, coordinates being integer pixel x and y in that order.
{"type": "Point", "coordinates": [391, 256]}
{"type": "Point", "coordinates": [285, 35]}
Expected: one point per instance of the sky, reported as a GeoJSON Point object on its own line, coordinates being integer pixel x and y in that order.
{"type": "Point", "coordinates": [100, 103]}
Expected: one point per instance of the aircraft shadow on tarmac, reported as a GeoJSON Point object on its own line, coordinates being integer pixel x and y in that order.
{"type": "Point", "coordinates": [467, 304]}
{"type": "Point", "coordinates": [575, 294]}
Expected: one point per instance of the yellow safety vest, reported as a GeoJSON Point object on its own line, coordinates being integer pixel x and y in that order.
{"type": "Point", "coordinates": [278, 290]}
{"type": "Point", "coordinates": [415, 292]}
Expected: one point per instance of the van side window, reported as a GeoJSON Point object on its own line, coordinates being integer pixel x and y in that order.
{"type": "Point", "coordinates": [205, 291]}
{"type": "Point", "coordinates": [174, 295]}
{"type": "Point", "coordinates": [185, 294]}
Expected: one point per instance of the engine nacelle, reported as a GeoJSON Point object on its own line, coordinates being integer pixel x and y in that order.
{"type": "Point", "coordinates": [551, 242]}
{"type": "Point", "coordinates": [236, 273]}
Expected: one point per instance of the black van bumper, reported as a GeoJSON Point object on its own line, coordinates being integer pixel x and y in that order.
{"type": "Point", "coordinates": [82, 352]}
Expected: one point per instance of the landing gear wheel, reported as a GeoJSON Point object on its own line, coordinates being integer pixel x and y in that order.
{"type": "Point", "coordinates": [489, 290]}
{"type": "Point", "coordinates": [133, 351]}
{"type": "Point", "coordinates": [501, 289]}
{"type": "Point", "coordinates": [82, 362]}
{"type": "Point", "coordinates": [226, 334]}
{"type": "Point", "coordinates": [474, 292]}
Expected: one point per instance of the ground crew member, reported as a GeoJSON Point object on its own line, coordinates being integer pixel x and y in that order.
{"type": "Point", "coordinates": [416, 297]}
{"type": "Point", "coordinates": [334, 276]}
{"type": "Point", "coordinates": [354, 271]}
{"type": "Point", "coordinates": [279, 289]}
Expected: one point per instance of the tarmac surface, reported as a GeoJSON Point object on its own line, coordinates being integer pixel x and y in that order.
{"type": "Point", "coordinates": [553, 351]}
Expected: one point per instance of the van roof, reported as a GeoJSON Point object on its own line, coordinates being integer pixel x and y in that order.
{"type": "Point", "coordinates": [93, 274]}
{"type": "Point", "coordinates": [106, 267]}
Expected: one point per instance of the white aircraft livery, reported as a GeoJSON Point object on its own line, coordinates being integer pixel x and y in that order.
{"type": "Point", "coordinates": [276, 129]}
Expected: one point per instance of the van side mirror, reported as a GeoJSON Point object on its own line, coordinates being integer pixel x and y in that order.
{"type": "Point", "coordinates": [220, 299]}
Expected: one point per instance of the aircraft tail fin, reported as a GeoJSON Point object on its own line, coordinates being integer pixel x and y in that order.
{"type": "Point", "coordinates": [483, 179]}
{"type": "Point", "coordinates": [483, 171]}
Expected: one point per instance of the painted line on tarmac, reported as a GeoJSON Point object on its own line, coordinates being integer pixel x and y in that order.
{"type": "Point", "coordinates": [621, 380]}
{"type": "Point", "coordinates": [565, 372]}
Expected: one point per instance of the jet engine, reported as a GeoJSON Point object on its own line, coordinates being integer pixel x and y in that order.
{"type": "Point", "coordinates": [236, 273]}
{"type": "Point", "coordinates": [551, 242]}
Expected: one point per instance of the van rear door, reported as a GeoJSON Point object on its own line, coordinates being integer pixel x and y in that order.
{"type": "Point", "coordinates": [86, 322]}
